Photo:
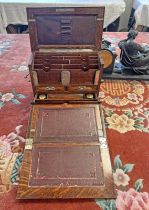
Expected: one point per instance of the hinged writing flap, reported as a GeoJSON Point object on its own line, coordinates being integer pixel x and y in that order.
{"type": "Point", "coordinates": [69, 157]}
{"type": "Point", "coordinates": [65, 27]}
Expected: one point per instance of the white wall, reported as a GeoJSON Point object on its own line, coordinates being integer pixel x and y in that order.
{"type": "Point", "coordinates": [125, 16]}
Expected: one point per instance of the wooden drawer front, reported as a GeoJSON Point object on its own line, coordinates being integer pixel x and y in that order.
{"type": "Point", "coordinates": [83, 88]}
{"type": "Point", "coordinates": [70, 89]}
{"type": "Point", "coordinates": [49, 89]}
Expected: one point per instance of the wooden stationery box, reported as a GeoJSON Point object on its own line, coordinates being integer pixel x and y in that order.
{"type": "Point", "coordinates": [66, 153]}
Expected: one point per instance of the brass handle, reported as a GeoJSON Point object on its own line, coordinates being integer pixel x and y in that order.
{"type": "Point", "coordinates": [50, 88]}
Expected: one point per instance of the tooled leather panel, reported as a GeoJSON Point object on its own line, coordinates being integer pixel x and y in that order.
{"type": "Point", "coordinates": [66, 166]}
{"type": "Point", "coordinates": [66, 124]}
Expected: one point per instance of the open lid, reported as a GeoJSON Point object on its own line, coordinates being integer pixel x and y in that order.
{"type": "Point", "coordinates": [64, 27]}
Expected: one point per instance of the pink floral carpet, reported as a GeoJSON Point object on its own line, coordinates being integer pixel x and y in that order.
{"type": "Point", "coordinates": [126, 109]}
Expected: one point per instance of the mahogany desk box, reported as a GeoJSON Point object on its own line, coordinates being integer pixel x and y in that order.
{"type": "Point", "coordinates": [66, 153]}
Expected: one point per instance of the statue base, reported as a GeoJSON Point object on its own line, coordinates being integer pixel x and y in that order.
{"type": "Point", "coordinates": [126, 76]}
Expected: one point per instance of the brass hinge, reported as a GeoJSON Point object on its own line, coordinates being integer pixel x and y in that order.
{"type": "Point", "coordinates": [28, 144]}
{"type": "Point", "coordinates": [99, 19]}
{"type": "Point", "coordinates": [103, 143]}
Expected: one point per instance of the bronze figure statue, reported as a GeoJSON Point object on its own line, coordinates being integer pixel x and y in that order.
{"type": "Point", "coordinates": [134, 57]}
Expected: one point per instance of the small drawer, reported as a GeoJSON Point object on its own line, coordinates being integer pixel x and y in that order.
{"type": "Point", "coordinates": [83, 88]}
{"type": "Point", "coordinates": [49, 89]}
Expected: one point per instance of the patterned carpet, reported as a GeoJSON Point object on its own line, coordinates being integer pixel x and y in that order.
{"type": "Point", "coordinates": [126, 109]}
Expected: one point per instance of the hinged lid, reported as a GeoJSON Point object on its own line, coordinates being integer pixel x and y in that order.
{"type": "Point", "coordinates": [64, 27]}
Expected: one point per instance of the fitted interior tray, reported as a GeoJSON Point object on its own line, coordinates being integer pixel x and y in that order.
{"type": "Point", "coordinates": [69, 156]}
{"type": "Point", "coordinates": [82, 67]}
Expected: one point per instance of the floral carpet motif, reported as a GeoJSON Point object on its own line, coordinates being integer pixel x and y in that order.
{"type": "Point", "coordinates": [126, 109]}
{"type": "Point", "coordinates": [126, 105]}
{"type": "Point", "coordinates": [10, 97]}
{"type": "Point", "coordinates": [127, 198]}
{"type": "Point", "coordinates": [5, 44]}
{"type": "Point", "coordinates": [122, 94]}
{"type": "Point", "coordinates": [10, 148]}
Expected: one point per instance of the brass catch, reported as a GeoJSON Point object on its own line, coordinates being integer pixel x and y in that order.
{"type": "Point", "coordinates": [28, 144]}
{"type": "Point", "coordinates": [82, 87]}
{"type": "Point", "coordinates": [65, 10]}
{"type": "Point", "coordinates": [103, 143]}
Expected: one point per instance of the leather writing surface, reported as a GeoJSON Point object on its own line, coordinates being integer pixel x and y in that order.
{"type": "Point", "coordinates": [66, 166]}
{"type": "Point", "coordinates": [67, 124]}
